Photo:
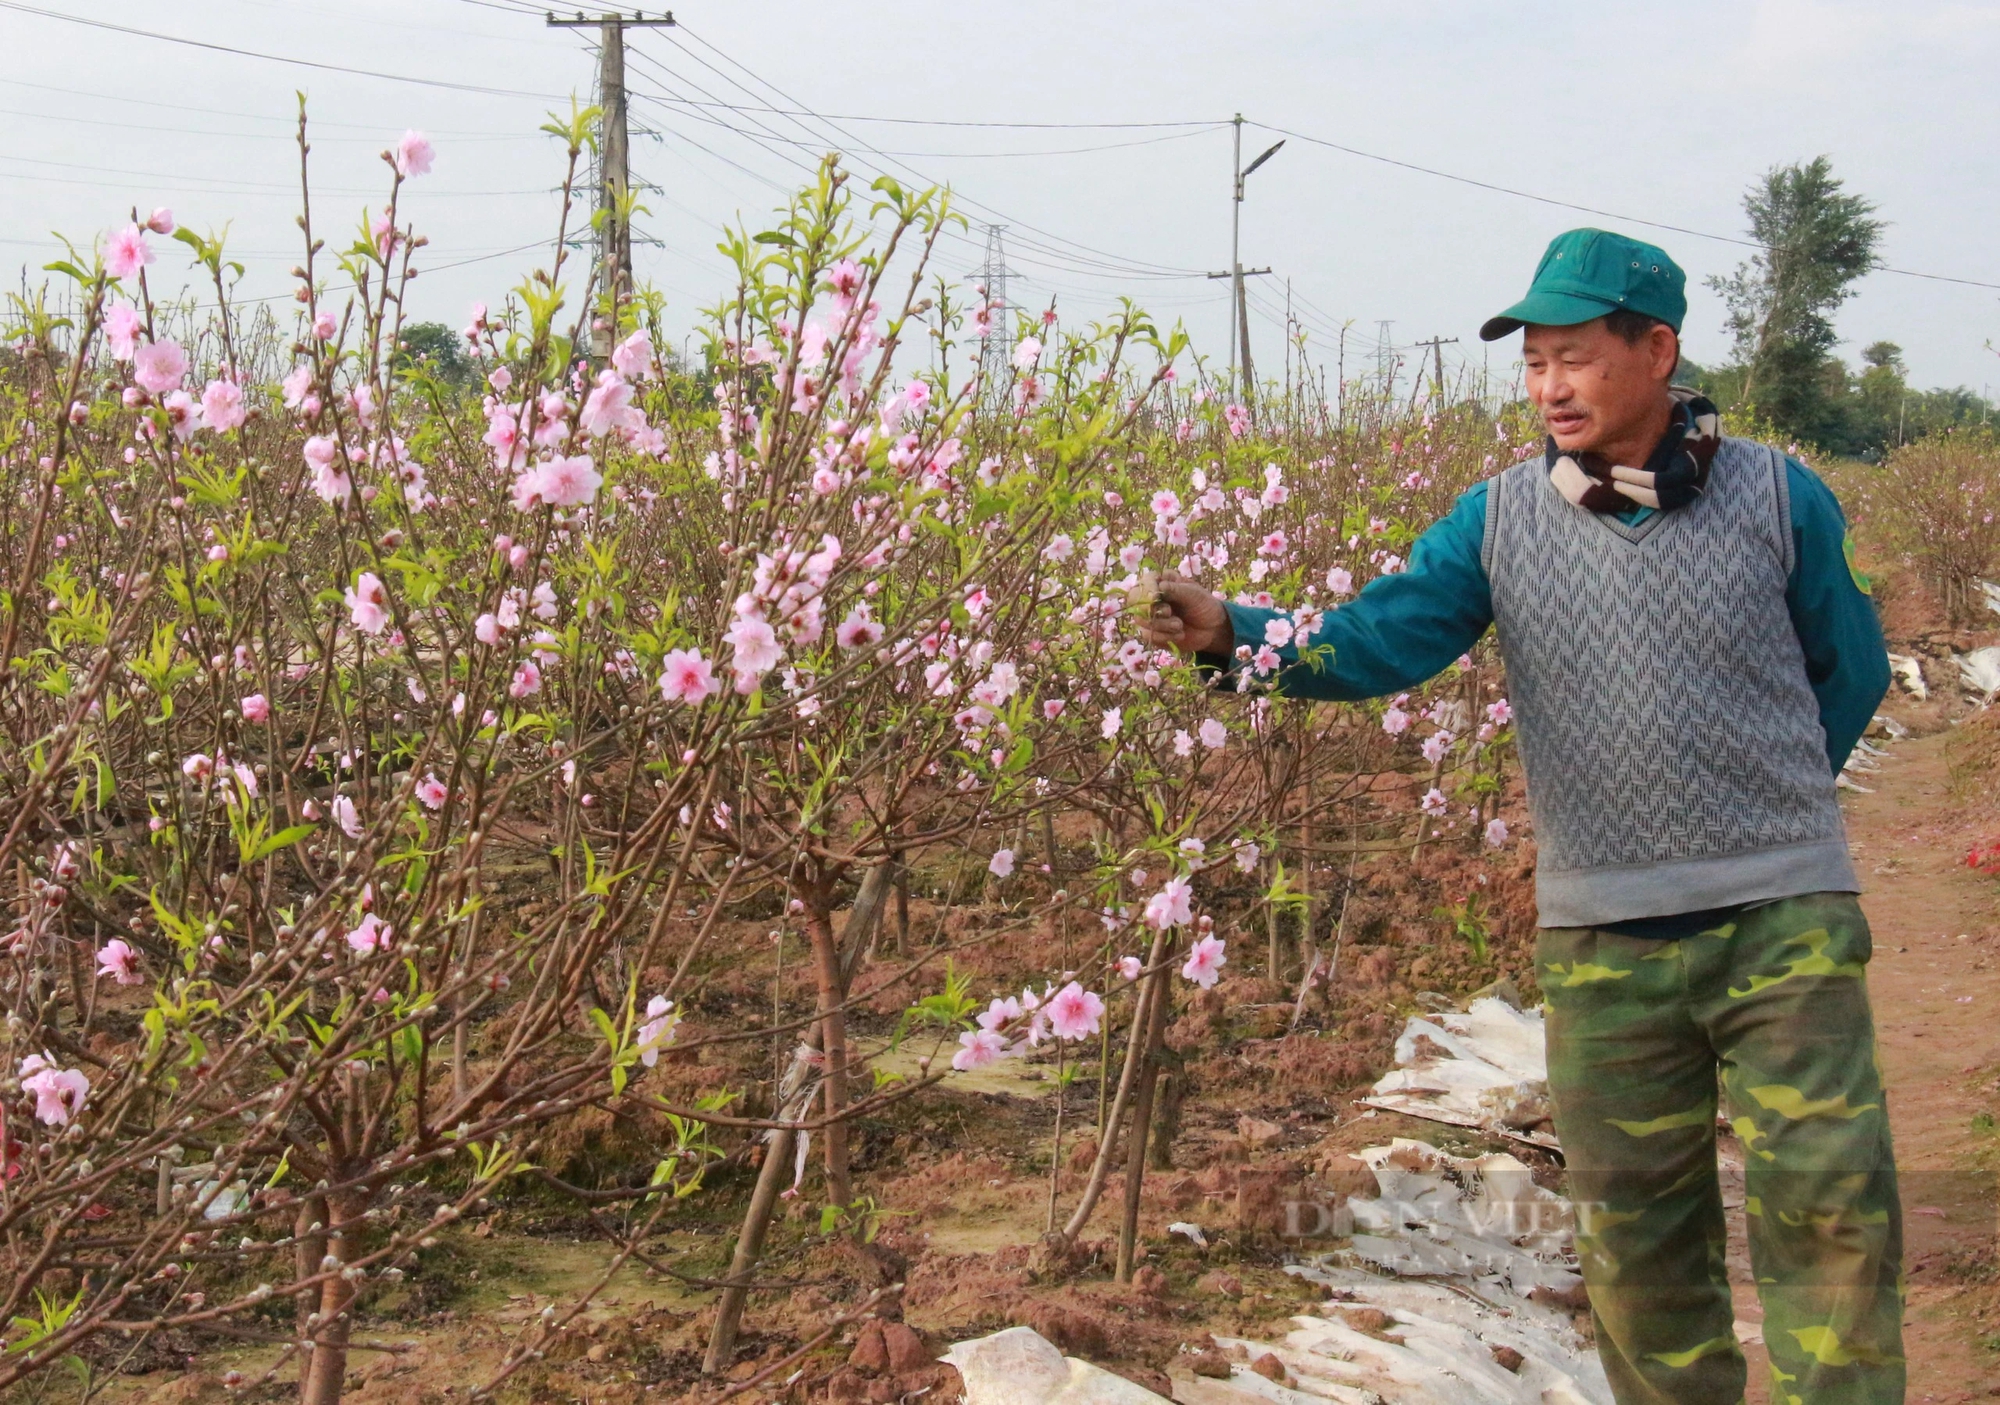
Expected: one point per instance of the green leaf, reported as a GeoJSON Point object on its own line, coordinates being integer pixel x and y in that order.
{"type": "Point", "coordinates": [283, 839]}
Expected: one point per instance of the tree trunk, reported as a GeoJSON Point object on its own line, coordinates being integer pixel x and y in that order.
{"type": "Point", "coordinates": [1135, 1054]}
{"type": "Point", "coordinates": [902, 880]}
{"type": "Point", "coordinates": [1142, 1121]}
{"type": "Point", "coordinates": [794, 1098]}
{"type": "Point", "coordinates": [749, 1248]}
{"type": "Point", "coordinates": [833, 1044]}
{"type": "Point", "coordinates": [1167, 1099]}
{"type": "Point", "coordinates": [309, 1234]}
{"type": "Point", "coordinates": [326, 1373]}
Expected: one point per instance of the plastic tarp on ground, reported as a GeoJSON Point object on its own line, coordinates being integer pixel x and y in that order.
{"type": "Point", "coordinates": [1466, 1241]}
{"type": "Point", "coordinates": [1486, 1068]}
{"type": "Point", "coordinates": [1463, 1242]}
{"type": "Point", "coordinates": [1021, 1367]}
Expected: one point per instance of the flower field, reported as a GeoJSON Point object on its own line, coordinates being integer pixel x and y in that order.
{"type": "Point", "coordinates": [647, 797]}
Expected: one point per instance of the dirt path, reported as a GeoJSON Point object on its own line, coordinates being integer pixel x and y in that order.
{"type": "Point", "coordinates": [1935, 984]}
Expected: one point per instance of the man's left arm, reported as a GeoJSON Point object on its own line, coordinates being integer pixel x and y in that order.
{"type": "Point", "coordinates": [1834, 616]}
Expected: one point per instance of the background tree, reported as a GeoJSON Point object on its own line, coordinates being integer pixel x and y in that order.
{"type": "Point", "coordinates": [439, 348]}
{"type": "Point", "coordinates": [1817, 240]}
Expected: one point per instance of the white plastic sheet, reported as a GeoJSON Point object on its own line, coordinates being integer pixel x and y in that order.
{"type": "Point", "coordinates": [1021, 1367]}
{"type": "Point", "coordinates": [1980, 671]}
{"type": "Point", "coordinates": [1486, 1067]}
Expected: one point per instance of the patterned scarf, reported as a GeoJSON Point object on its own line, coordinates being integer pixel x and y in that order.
{"type": "Point", "coordinates": [1673, 477]}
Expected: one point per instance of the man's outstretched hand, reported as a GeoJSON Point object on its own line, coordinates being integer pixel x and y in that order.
{"type": "Point", "coordinates": [1187, 618]}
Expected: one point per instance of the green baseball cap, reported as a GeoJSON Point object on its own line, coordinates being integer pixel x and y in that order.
{"type": "Point", "coordinates": [1589, 272]}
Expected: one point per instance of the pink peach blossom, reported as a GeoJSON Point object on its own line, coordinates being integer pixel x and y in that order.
{"type": "Point", "coordinates": [255, 708]}
{"type": "Point", "coordinates": [569, 482]}
{"type": "Point", "coordinates": [159, 366]}
{"type": "Point", "coordinates": [687, 677]}
{"type": "Point", "coordinates": [633, 357]}
{"type": "Point", "coordinates": [59, 1093]}
{"type": "Point", "coordinates": [126, 252]}
{"type": "Point", "coordinates": [347, 817]}
{"type": "Point", "coordinates": [1205, 962]}
{"type": "Point", "coordinates": [370, 934]}
{"type": "Point", "coordinates": [121, 330]}
{"type": "Point", "coordinates": [368, 604]}
{"type": "Point", "coordinates": [609, 408]}
{"type": "Point", "coordinates": [414, 155]}
{"type": "Point", "coordinates": [222, 406]}
{"type": "Point", "coordinates": [755, 650]}
{"type": "Point", "coordinates": [1074, 1013]}
{"type": "Point", "coordinates": [978, 1048]}
{"type": "Point", "coordinates": [662, 1023]}
{"type": "Point", "coordinates": [117, 959]}
{"type": "Point", "coordinates": [1172, 906]}
{"type": "Point", "coordinates": [857, 631]}
{"type": "Point", "coordinates": [1004, 1010]}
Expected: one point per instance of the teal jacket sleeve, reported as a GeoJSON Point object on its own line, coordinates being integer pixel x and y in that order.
{"type": "Point", "coordinates": [1402, 628]}
{"type": "Point", "coordinates": [1834, 616]}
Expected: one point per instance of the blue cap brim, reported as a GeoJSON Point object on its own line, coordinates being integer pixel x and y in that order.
{"type": "Point", "coordinates": [1545, 309]}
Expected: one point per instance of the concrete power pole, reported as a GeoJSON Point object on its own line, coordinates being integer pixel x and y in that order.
{"type": "Point", "coordinates": [1437, 346]}
{"type": "Point", "coordinates": [1239, 341]}
{"type": "Point", "coordinates": [614, 172]}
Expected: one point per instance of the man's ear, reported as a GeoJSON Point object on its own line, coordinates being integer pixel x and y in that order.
{"type": "Point", "coordinates": [1665, 344]}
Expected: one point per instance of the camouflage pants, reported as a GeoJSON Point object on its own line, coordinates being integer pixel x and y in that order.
{"type": "Point", "coordinates": [1637, 1030]}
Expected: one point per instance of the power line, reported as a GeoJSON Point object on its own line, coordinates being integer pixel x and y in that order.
{"type": "Point", "coordinates": [996, 214]}
{"type": "Point", "coordinates": [1587, 209]}
{"type": "Point", "coordinates": [1080, 264]}
{"type": "Point", "coordinates": [943, 155]}
{"type": "Point", "coordinates": [291, 124]}
{"type": "Point", "coordinates": [763, 139]}
{"type": "Point", "coordinates": [212, 47]}
{"type": "Point", "coordinates": [288, 297]}
{"type": "Point", "coordinates": [949, 122]}
{"type": "Point", "coordinates": [222, 185]}
{"type": "Point", "coordinates": [291, 136]}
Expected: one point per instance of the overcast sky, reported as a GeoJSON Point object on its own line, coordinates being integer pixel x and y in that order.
{"type": "Point", "coordinates": [1641, 111]}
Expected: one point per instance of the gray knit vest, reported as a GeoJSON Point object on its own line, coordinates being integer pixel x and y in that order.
{"type": "Point", "coordinates": [1672, 743]}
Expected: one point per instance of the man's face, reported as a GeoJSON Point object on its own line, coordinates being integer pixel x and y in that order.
{"type": "Point", "coordinates": [1593, 388]}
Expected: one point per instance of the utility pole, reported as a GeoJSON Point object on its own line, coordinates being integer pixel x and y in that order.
{"type": "Point", "coordinates": [614, 173]}
{"type": "Point", "coordinates": [1437, 346]}
{"type": "Point", "coordinates": [996, 352]}
{"type": "Point", "coordinates": [1288, 345]}
{"type": "Point", "coordinates": [1385, 358]}
{"type": "Point", "coordinates": [1239, 346]}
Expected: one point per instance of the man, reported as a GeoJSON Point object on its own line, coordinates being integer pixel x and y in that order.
{"type": "Point", "coordinates": [1691, 657]}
